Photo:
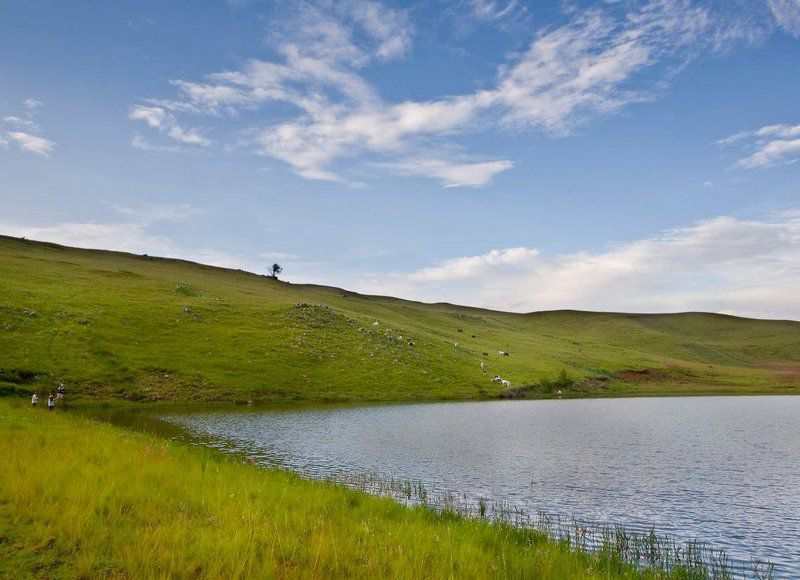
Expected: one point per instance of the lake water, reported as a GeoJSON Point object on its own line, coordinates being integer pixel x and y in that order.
{"type": "Point", "coordinates": [725, 470]}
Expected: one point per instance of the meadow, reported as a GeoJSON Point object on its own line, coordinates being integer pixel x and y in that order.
{"type": "Point", "coordinates": [139, 328]}
{"type": "Point", "coordinates": [83, 499]}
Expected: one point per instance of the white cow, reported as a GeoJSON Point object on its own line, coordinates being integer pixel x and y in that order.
{"type": "Point", "coordinates": [505, 383]}
{"type": "Point", "coordinates": [375, 324]}
{"type": "Point", "coordinates": [503, 353]}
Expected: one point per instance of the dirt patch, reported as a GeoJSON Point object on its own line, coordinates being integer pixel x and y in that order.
{"type": "Point", "coordinates": [517, 392]}
{"type": "Point", "coordinates": [589, 384]}
{"type": "Point", "coordinates": [630, 376]}
{"type": "Point", "coordinates": [642, 375]}
{"type": "Point", "coordinates": [20, 376]}
{"type": "Point", "coordinates": [788, 373]}
{"type": "Point", "coordinates": [314, 315]}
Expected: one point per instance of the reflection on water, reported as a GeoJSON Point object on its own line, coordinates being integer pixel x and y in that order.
{"type": "Point", "coordinates": [722, 469]}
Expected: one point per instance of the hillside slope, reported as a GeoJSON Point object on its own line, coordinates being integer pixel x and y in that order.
{"type": "Point", "coordinates": [113, 324]}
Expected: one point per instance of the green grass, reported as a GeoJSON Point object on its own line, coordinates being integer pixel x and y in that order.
{"type": "Point", "coordinates": [84, 499]}
{"type": "Point", "coordinates": [119, 325]}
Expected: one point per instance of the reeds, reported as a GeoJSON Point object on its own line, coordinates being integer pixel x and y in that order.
{"type": "Point", "coordinates": [645, 549]}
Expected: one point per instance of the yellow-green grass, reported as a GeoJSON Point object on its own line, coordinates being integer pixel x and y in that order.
{"type": "Point", "coordinates": [119, 325]}
{"type": "Point", "coordinates": [84, 499]}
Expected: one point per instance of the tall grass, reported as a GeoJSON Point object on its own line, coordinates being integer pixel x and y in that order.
{"type": "Point", "coordinates": [84, 499]}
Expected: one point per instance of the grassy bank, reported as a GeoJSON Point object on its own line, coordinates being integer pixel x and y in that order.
{"type": "Point", "coordinates": [142, 328]}
{"type": "Point", "coordinates": [84, 499]}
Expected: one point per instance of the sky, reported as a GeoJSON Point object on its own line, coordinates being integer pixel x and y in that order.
{"type": "Point", "coordinates": [607, 155]}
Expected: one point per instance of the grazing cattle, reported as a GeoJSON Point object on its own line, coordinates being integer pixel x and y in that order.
{"type": "Point", "coordinates": [503, 353]}
{"type": "Point", "coordinates": [460, 330]}
{"type": "Point", "coordinates": [496, 379]}
{"type": "Point", "coordinates": [485, 354]}
{"type": "Point", "coordinates": [505, 383]}
{"type": "Point", "coordinates": [483, 364]}
{"type": "Point", "coordinates": [375, 324]}
{"type": "Point", "coordinates": [400, 337]}
{"type": "Point", "coordinates": [411, 342]}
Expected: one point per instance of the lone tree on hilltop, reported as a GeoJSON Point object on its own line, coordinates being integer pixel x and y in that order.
{"type": "Point", "coordinates": [274, 270]}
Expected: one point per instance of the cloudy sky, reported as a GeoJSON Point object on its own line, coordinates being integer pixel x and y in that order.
{"type": "Point", "coordinates": [607, 155]}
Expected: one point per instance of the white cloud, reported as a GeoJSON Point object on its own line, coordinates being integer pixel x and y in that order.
{"type": "Point", "coordinates": [591, 65]}
{"type": "Point", "coordinates": [769, 145]}
{"type": "Point", "coordinates": [148, 213]}
{"type": "Point", "coordinates": [123, 237]}
{"type": "Point", "coordinates": [787, 15]}
{"type": "Point", "coordinates": [20, 122]}
{"type": "Point", "coordinates": [508, 16]}
{"type": "Point", "coordinates": [773, 152]}
{"type": "Point", "coordinates": [452, 173]}
{"type": "Point", "coordinates": [141, 143]}
{"type": "Point", "coordinates": [21, 131]}
{"type": "Point", "coordinates": [134, 237]}
{"type": "Point", "coordinates": [187, 136]}
{"type": "Point", "coordinates": [391, 29]}
{"type": "Point", "coordinates": [585, 67]}
{"type": "Point", "coordinates": [484, 10]}
{"type": "Point", "coordinates": [747, 267]}
{"type": "Point", "coordinates": [279, 256]}
{"type": "Point", "coordinates": [163, 121]}
{"type": "Point", "coordinates": [31, 143]}
{"type": "Point", "coordinates": [153, 116]}
{"type": "Point", "coordinates": [474, 267]}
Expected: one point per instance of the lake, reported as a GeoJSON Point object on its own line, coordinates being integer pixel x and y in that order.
{"type": "Point", "coordinates": [725, 470]}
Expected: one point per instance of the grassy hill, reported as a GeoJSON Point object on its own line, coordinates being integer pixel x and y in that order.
{"type": "Point", "coordinates": [143, 328]}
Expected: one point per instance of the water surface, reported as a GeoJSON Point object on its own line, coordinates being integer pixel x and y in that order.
{"type": "Point", "coordinates": [725, 470]}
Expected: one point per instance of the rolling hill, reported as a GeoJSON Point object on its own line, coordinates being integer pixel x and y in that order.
{"type": "Point", "coordinates": [110, 324]}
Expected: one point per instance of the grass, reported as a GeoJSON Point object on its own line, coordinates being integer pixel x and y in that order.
{"type": "Point", "coordinates": [83, 499]}
{"type": "Point", "coordinates": [141, 328]}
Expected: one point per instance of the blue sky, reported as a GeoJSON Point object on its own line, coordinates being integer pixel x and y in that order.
{"type": "Point", "coordinates": [607, 155]}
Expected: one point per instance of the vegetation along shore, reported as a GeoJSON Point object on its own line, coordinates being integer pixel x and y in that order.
{"type": "Point", "coordinates": [91, 499]}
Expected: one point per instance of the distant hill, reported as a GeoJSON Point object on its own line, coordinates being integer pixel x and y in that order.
{"type": "Point", "coordinates": [144, 328]}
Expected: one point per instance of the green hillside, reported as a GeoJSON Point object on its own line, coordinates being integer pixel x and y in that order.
{"type": "Point", "coordinates": [143, 328]}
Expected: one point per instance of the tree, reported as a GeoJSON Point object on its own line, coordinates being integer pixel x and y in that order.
{"type": "Point", "coordinates": [274, 270]}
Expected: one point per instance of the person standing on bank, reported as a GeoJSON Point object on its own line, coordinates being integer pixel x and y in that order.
{"type": "Point", "coordinates": [35, 400]}
{"type": "Point", "coordinates": [51, 404]}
